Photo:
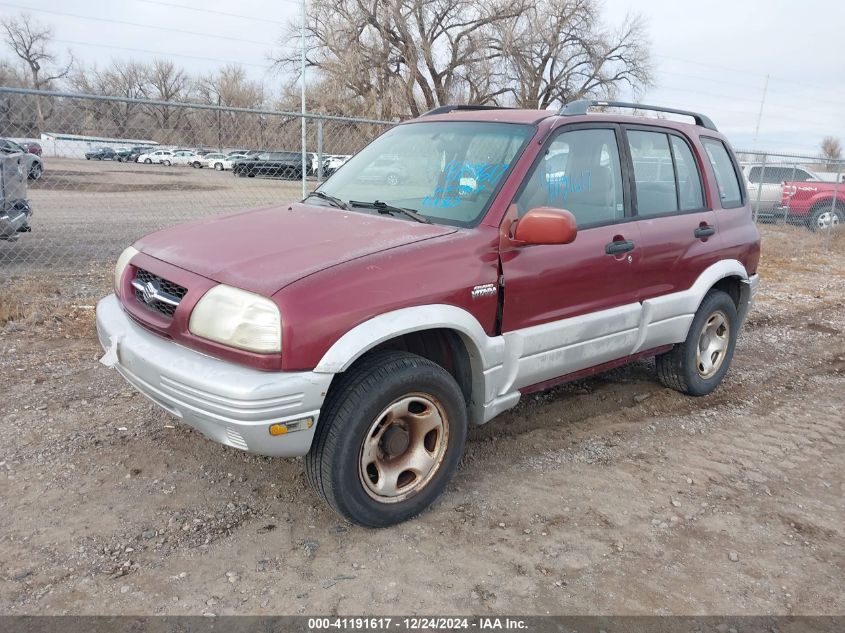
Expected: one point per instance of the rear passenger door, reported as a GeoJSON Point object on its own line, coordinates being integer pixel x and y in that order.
{"type": "Point", "coordinates": [677, 231]}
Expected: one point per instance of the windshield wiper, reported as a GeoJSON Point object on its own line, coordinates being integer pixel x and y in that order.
{"type": "Point", "coordinates": [335, 202]}
{"type": "Point", "coordinates": [383, 207]}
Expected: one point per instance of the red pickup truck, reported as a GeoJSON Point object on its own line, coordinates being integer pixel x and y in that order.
{"type": "Point", "coordinates": [366, 327]}
{"type": "Point", "coordinates": [817, 205]}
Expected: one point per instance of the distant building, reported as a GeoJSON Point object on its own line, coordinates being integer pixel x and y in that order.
{"type": "Point", "coordinates": [75, 145]}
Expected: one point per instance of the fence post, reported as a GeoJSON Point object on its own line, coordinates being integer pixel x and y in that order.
{"type": "Point", "coordinates": [319, 150]}
{"type": "Point", "coordinates": [834, 204]}
{"type": "Point", "coordinates": [760, 187]}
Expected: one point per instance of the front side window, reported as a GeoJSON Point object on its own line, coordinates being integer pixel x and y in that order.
{"type": "Point", "coordinates": [447, 171]}
{"type": "Point", "coordinates": [580, 172]}
{"type": "Point", "coordinates": [730, 191]}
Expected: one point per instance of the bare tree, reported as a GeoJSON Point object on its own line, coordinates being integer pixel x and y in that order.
{"type": "Point", "coordinates": [120, 78]}
{"type": "Point", "coordinates": [558, 51]}
{"type": "Point", "coordinates": [31, 41]}
{"type": "Point", "coordinates": [419, 53]}
{"type": "Point", "coordinates": [414, 55]}
{"type": "Point", "coordinates": [230, 86]}
{"type": "Point", "coordinates": [164, 81]}
{"type": "Point", "coordinates": [831, 149]}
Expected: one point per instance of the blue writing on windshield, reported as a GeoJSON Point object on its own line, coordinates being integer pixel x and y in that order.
{"type": "Point", "coordinates": [461, 179]}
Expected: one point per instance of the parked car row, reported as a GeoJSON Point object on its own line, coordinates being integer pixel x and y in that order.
{"type": "Point", "coordinates": [244, 163]}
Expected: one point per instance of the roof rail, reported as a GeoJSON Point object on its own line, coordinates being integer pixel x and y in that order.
{"type": "Point", "coordinates": [453, 108]}
{"type": "Point", "coordinates": [581, 106]}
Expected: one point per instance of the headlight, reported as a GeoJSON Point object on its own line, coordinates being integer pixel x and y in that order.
{"type": "Point", "coordinates": [238, 318]}
{"type": "Point", "coordinates": [122, 263]}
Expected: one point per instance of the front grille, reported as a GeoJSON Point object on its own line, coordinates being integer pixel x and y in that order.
{"type": "Point", "coordinates": [166, 295]}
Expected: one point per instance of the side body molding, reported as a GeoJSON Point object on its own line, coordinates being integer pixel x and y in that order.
{"type": "Point", "coordinates": [502, 365]}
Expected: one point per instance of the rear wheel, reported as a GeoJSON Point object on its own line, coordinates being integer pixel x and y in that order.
{"type": "Point", "coordinates": [697, 366]}
{"type": "Point", "coordinates": [148, 161]}
{"type": "Point", "coordinates": [166, 163]}
{"type": "Point", "coordinates": [388, 440]}
{"type": "Point", "coordinates": [35, 171]}
{"type": "Point", "coordinates": [826, 218]}
{"type": "Point", "coordinates": [218, 166]}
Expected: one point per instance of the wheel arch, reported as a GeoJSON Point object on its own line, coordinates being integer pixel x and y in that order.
{"type": "Point", "coordinates": [446, 335]}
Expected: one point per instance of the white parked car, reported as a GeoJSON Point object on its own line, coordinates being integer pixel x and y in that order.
{"type": "Point", "coordinates": [185, 157]}
{"type": "Point", "coordinates": [158, 157]}
{"type": "Point", "coordinates": [217, 161]}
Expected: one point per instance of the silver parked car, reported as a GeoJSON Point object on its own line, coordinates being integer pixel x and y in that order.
{"type": "Point", "coordinates": [34, 163]}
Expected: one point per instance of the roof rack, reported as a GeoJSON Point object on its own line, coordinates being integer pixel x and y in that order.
{"type": "Point", "coordinates": [453, 108]}
{"type": "Point", "coordinates": [581, 106]}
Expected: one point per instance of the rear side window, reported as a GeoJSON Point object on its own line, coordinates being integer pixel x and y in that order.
{"type": "Point", "coordinates": [730, 191]}
{"type": "Point", "coordinates": [653, 173]}
{"type": "Point", "coordinates": [579, 172]}
{"type": "Point", "coordinates": [665, 172]}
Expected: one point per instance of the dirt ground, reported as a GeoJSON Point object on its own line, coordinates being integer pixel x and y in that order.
{"type": "Point", "coordinates": [610, 495]}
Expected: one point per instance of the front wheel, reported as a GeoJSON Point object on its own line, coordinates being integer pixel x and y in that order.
{"type": "Point", "coordinates": [388, 440]}
{"type": "Point", "coordinates": [218, 166]}
{"type": "Point", "coordinates": [166, 163]}
{"type": "Point", "coordinates": [35, 171]}
{"type": "Point", "coordinates": [148, 161]}
{"type": "Point", "coordinates": [697, 366]}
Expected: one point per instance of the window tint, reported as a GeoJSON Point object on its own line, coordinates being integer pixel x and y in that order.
{"type": "Point", "coordinates": [653, 173]}
{"type": "Point", "coordinates": [690, 194]}
{"type": "Point", "coordinates": [726, 179]}
{"type": "Point", "coordinates": [580, 172]}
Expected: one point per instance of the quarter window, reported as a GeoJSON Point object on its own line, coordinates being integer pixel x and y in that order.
{"type": "Point", "coordinates": [690, 193]}
{"type": "Point", "coordinates": [730, 191]}
{"type": "Point", "coordinates": [579, 172]}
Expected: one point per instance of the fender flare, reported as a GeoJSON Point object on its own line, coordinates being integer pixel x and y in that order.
{"type": "Point", "coordinates": [484, 350]}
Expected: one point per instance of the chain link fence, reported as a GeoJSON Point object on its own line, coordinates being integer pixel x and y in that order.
{"type": "Point", "coordinates": [103, 171]}
{"type": "Point", "coordinates": [107, 170]}
{"type": "Point", "coordinates": [795, 190]}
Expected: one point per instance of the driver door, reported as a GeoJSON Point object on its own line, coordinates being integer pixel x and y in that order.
{"type": "Point", "coordinates": [572, 306]}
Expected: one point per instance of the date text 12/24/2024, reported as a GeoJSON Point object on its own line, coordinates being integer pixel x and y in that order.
{"type": "Point", "coordinates": [416, 624]}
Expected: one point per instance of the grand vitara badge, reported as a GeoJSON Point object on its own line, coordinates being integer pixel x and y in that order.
{"type": "Point", "coordinates": [484, 290]}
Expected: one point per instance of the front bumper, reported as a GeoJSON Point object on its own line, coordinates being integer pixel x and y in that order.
{"type": "Point", "coordinates": [227, 403]}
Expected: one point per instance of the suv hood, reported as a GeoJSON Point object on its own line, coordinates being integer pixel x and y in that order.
{"type": "Point", "coordinates": [266, 249]}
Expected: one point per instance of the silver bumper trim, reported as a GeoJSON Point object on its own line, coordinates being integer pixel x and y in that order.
{"type": "Point", "coordinates": [228, 403]}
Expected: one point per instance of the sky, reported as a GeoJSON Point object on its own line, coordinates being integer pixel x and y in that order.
{"type": "Point", "coordinates": [711, 56]}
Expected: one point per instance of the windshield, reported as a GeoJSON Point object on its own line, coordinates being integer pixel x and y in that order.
{"type": "Point", "coordinates": [446, 171]}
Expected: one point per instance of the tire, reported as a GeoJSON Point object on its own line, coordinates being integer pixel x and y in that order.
{"type": "Point", "coordinates": [824, 218]}
{"type": "Point", "coordinates": [166, 163]}
{"type": "Point", "coordinates": [87, 158]}
{"type": "Point", "coordinates": [682, 368]}
{"type": "Point", "coordinates": [148, 161]}
{"type": "Point", "coordinates": [354, 416]}
{"type": "Point", "coordinates": [392, 179]}
{"type": "Point", "coordinates": [35, 171]}
{"type": "Point", "coordinates": [218, 166]}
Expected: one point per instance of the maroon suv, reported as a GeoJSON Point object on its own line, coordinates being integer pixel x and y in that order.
{"type": "Point", "coordinates": [367, 326]}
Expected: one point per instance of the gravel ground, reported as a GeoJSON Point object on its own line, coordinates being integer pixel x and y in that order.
{"type": "Point", "coordinates": [608, 495]}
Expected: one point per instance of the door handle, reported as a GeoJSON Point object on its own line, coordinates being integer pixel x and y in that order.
{"type": "Point", "coordinates": [704, 231]}
{"type": "Point", "coordinates": [618, 246]}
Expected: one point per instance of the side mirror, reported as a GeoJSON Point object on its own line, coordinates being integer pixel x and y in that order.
{"type": "Point", "coordinates": [545, 225]}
